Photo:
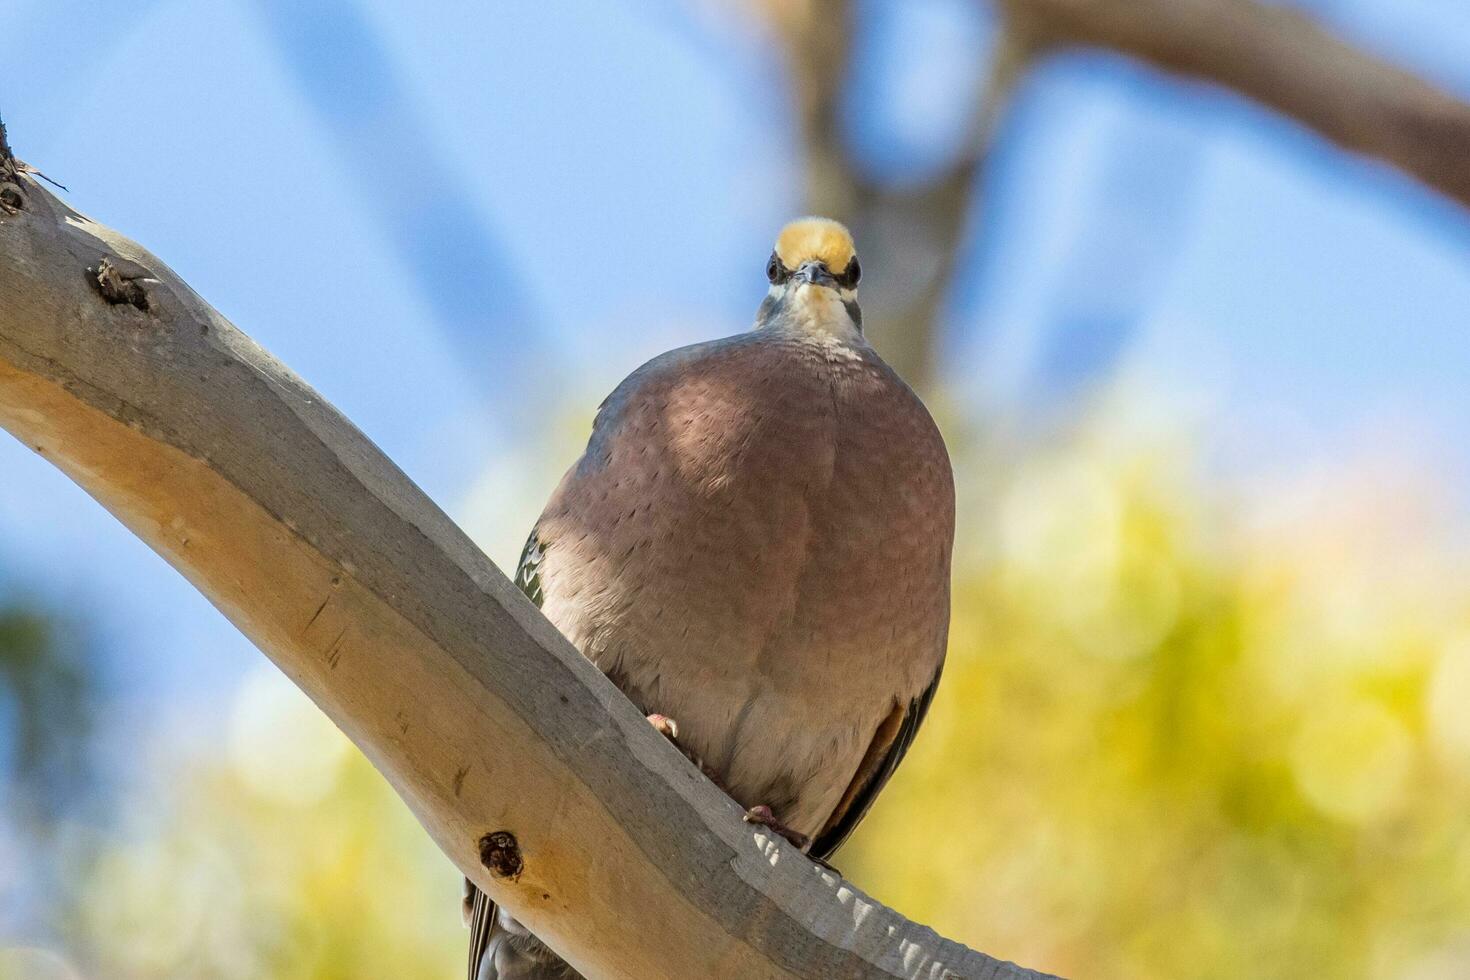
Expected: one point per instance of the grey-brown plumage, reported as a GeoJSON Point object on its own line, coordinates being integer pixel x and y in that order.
{"type": "Point", "coordinates": [756, 543]}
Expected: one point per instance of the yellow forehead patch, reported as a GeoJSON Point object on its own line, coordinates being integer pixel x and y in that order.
{"type": "Point", "coordinates": [815, 238]}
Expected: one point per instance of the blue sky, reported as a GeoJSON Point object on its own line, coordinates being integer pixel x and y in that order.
{"type": "Point", "coordinates": [464, 222]}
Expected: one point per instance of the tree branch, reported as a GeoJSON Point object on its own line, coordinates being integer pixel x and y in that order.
{"type": "Point", "coordinates": [1285, 61]}
{"type": "Point", "coordinates": [535, 776]}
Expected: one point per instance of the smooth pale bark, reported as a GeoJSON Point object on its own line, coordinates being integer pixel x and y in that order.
{"type": "Point", "coordinates": [482, 717]}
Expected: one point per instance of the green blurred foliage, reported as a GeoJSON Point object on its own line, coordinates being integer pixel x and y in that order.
{"type": "Point", "coordinates": [49, 694]}
{"type": "Point", "coordinates": [49, 690]}
{"type": "Point", "coordinates": [1184, 731]}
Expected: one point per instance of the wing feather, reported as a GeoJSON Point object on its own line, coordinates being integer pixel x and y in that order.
{"type": "Point", "coordinates": [890, 744]}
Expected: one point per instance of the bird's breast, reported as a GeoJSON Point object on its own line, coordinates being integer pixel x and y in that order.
{"type": "Point", "coordinates": [759, 548]}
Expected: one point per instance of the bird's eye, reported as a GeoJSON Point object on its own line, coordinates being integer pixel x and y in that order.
{"type": "Point", "coordinates": [851, 274]}
{"type": "Point", "coordinates": [775, 271]}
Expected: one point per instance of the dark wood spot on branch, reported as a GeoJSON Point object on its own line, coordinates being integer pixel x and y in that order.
{"type": "Point", "coordinates": [501, 853]}
{"type": "Point", "coordinates": [314, 616]}
{"type": "Point", "coordinates": [459, 775]}
{"type": "Point", "coordinates": [334, 652]}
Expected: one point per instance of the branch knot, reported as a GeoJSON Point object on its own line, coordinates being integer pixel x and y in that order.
{"type": "Point", "coordinates": [117, 288]}
{"type": "Point", "coordinates": [501, 853]}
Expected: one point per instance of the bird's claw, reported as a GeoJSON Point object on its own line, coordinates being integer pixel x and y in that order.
{"type": "Point", "coordinates": [762, 816]}
{"type": "Point", "coordinates": [665, 726]}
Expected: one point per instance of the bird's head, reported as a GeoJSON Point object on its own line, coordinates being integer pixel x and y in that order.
{"type": "Point", "coordinates": [814, 274]}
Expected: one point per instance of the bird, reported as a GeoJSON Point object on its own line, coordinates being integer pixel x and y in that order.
{"type": "Point", "coordinates": [755, 548]}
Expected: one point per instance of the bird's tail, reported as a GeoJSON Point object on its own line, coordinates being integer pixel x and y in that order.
{"type": "Point", "coordinates": [503, 949]}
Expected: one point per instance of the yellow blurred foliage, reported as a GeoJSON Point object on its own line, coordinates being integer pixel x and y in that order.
{"type": "Point", "coordinates": [1184, 736]}
{"type": "Point", "coordinates": [285, 857]}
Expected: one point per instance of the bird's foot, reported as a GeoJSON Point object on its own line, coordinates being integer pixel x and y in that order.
{"type": "Point", "coordinates": [762, 816]}
{"type": "Point", "coordinates": [665, 726]}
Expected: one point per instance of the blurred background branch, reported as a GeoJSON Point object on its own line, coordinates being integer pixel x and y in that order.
{"type": "Point", "coordinates": [913, 236]}
{"type": "Point", "coordinates": [450, 251]}
{"type": "Point", "coordinates": [1286, 61]}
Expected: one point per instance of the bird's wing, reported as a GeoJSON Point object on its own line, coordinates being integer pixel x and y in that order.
{"type": "Point", "coordinates": [481, 911]}
{"type": "Point", "coordinates": [890, 743]}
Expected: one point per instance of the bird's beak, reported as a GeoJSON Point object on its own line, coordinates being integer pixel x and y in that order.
{"type": "Point", "coordinates": [816, 273]}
